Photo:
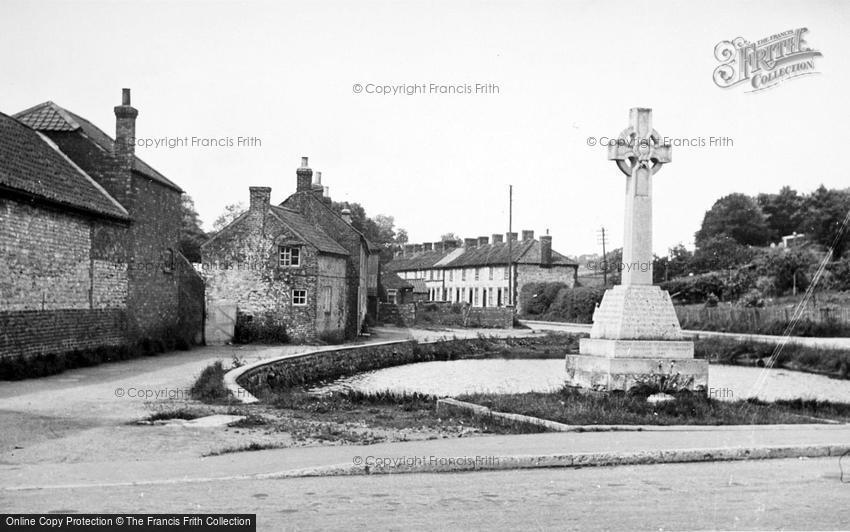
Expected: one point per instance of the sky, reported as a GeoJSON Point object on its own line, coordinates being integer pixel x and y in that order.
{"type": "Point", "coordinates": [287, 73]}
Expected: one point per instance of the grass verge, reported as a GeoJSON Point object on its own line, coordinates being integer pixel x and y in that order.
{"type": "Point", "coordinates": [382, 411]}
{"type": "Point", "coordinates": [832, 362]}
{"type": "Point", "coordinates": [574, 407]}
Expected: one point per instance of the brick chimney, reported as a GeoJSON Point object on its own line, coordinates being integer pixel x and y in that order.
{"type": "Point", "coordinates": [318, 189]}
{"type": "Point", "coordinates": [527, 235]}
{"type": "Point", "coordinates": [483, 240]}
{"type": "Point", "coordinates": [125, 147]}
{"type": "Point", "coordinates": [305, 177]}
{"type": "Point", "coordinates": [470, 243]}
{"type": "Point", "coordinates": [546, 251]}
{"type": "Point", "coordinates": [510, 237]}
{"type": "Point", "coordinates": [346, 215]}
{"type": "Point", "coordinates": [449, 245]}
{"type": "Point", "coordinates": [429, 246]}
{"type": "Point", "coordinates": [498, 238]}
{"type": "Point", "coordinates": [417, 248]}
{"type": "Point", "coordinates": [408, 250]}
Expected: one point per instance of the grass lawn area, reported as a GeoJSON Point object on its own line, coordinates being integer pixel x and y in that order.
{"type": "Point", "coordinates": [574, 407]}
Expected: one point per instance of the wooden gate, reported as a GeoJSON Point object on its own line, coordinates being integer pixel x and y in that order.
{"type": "Point", "coordinates": [220, 323]}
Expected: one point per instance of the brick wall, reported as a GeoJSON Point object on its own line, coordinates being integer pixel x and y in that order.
{"type": "Point", "coordinates": [153, 290]}
{"type": "Point", "coordinates": [63, 280]}
{"type": "Point", "coordinates": [152, 294]}
{"type": "Point", "coordinates": [35, 332]}
{"type": "Point", "coordinates": [50, 261]}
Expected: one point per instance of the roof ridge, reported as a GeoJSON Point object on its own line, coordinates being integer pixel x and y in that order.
{"type": "Point", "coordinates": [82, 172]}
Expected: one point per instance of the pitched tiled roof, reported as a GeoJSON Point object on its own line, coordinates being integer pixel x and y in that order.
{"type": "Point", "coordinates": [312, 234]}
{"type": "Point", "coordinates": [32, 165]}
{"type": "Point", "coordinates": [391, 280]}
{"type": "Point", "coordinates": [48, 116]}
{"type": "Point", "coordinates": [523, 252]}
{"type": "Point", "coordinates": [419, 286]}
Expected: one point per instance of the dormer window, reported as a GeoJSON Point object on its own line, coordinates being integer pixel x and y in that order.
{"type": "Point", "coordinates": [290, 256]}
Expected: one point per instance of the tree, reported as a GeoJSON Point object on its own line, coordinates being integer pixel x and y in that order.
{"type": "Point", "coordinates": [191, 234]}
{"type": "Point", "coordinates": [379, 230]}
{"type": "Point", "coordinates": [720, 253]}
{"type": "Point", "coordinates": [824, 219]}
{"type": "Point", "coordinates": [677, 263]}
{"type": "Point", "coordinates": [783, 212]}
{"type": "Point", "coordinates": [231, 212]}
{"type": "Point", "coordinates": [736, 216]}
{"type": "Point", "coordinates": [449, 237]}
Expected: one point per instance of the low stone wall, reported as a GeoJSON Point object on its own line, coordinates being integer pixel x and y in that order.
{"type": "Point", "coordinates": [335, 362]}
{"type": "Point", "coordinates": [447, 314]}
{"type": "Point", "coordinates": [325, 364]}
{"type": "Point", "coordinates": [403, 314]}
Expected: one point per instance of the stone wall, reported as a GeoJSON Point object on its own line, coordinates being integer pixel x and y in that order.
{"type": "Point", "coordinates": [357, 275]}
{"type": "Point", "coordinates": [240, 265]}
{"type": "Point", "coordinates": [332, 363]}
{"type": "Point", "coordinates": [326, 364]}
{"type": "Point", "coordinates": [447, 314]}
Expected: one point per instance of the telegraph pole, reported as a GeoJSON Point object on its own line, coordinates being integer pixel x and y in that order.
{"type": "Point", "coordinates": [601, 239]}
{"type": "Point", "coordinates": [510, 244]}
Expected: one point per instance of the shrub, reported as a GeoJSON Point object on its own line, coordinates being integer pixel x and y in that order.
{"type": "Point", "coordinates": [575, 304]}
{"type": "Point", "coordinates": [209, 386]}
{"type": "Point", "coordinates": [264, 330]}
{"type": "Point", "coordinates": [537, 297]}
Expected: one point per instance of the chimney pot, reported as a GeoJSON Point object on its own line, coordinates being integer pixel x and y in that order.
{"type": "Point", "coordinates": [346, 215]}
{"type": "Point", "coordinates": [497, 238]}
{"type": "Point", "coordinates": [125, 96]}
{"type": "Point", "coordinates": [318, 178]}
{"type": "Point", "coordinates": [304, 177]}
{"type": "Point", "coordinates": [527, 235]}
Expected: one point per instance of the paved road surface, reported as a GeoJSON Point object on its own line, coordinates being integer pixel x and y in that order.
{"type": "Point", "coordinates": [760, 495]}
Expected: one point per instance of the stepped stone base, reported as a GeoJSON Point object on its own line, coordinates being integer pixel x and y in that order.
{"type": "Point", "coordinates": [603, 347]}
{"type": "Point", "coordinates": [621, 374]}
{"type": "Point", "coordinates": [636, 339]}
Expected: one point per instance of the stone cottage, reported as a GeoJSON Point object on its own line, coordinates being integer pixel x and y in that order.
{"type": "Point", "coordinates": [299, 264]}
{"type": "Point", "coordinates": [88, 233]}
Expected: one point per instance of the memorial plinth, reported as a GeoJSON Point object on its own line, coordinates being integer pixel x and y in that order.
{"type": "Point", "coordinates": [636, 338]}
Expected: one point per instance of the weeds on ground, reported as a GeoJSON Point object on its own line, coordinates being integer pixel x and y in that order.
{"type": "Point", "coordinates": [577, 407]}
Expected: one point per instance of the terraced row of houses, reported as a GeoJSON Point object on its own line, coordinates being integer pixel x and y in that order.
{"type": "Point", "coordinates": [482, 272]}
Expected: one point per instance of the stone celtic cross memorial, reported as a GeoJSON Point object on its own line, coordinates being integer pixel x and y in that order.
{"type": "Point", "coordinates": [636, 338]}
